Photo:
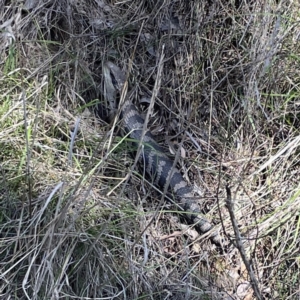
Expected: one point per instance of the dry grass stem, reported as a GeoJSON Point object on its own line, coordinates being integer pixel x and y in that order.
{"type": "Point", "coordinates": [218, 85]}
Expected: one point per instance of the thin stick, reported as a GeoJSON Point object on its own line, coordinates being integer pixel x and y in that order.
{"type": "Point", "coordinates": [240, 247]}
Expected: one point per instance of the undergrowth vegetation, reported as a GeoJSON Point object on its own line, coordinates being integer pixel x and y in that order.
{"type": "Point", "coordinates": [77, 221]}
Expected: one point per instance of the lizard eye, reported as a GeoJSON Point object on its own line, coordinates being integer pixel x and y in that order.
{"type": "Point", "coordinates": [113, 79]}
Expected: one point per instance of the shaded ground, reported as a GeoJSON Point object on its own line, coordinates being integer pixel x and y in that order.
{"type": "Point", "coordinates": [73, 225]}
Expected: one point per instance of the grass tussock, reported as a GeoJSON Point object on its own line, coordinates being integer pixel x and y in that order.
{"type": "Point", "coordinates": [74, 225]}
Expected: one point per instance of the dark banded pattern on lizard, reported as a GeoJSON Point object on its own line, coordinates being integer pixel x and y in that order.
{"type": "Point", "coordinates": [157, 165]}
